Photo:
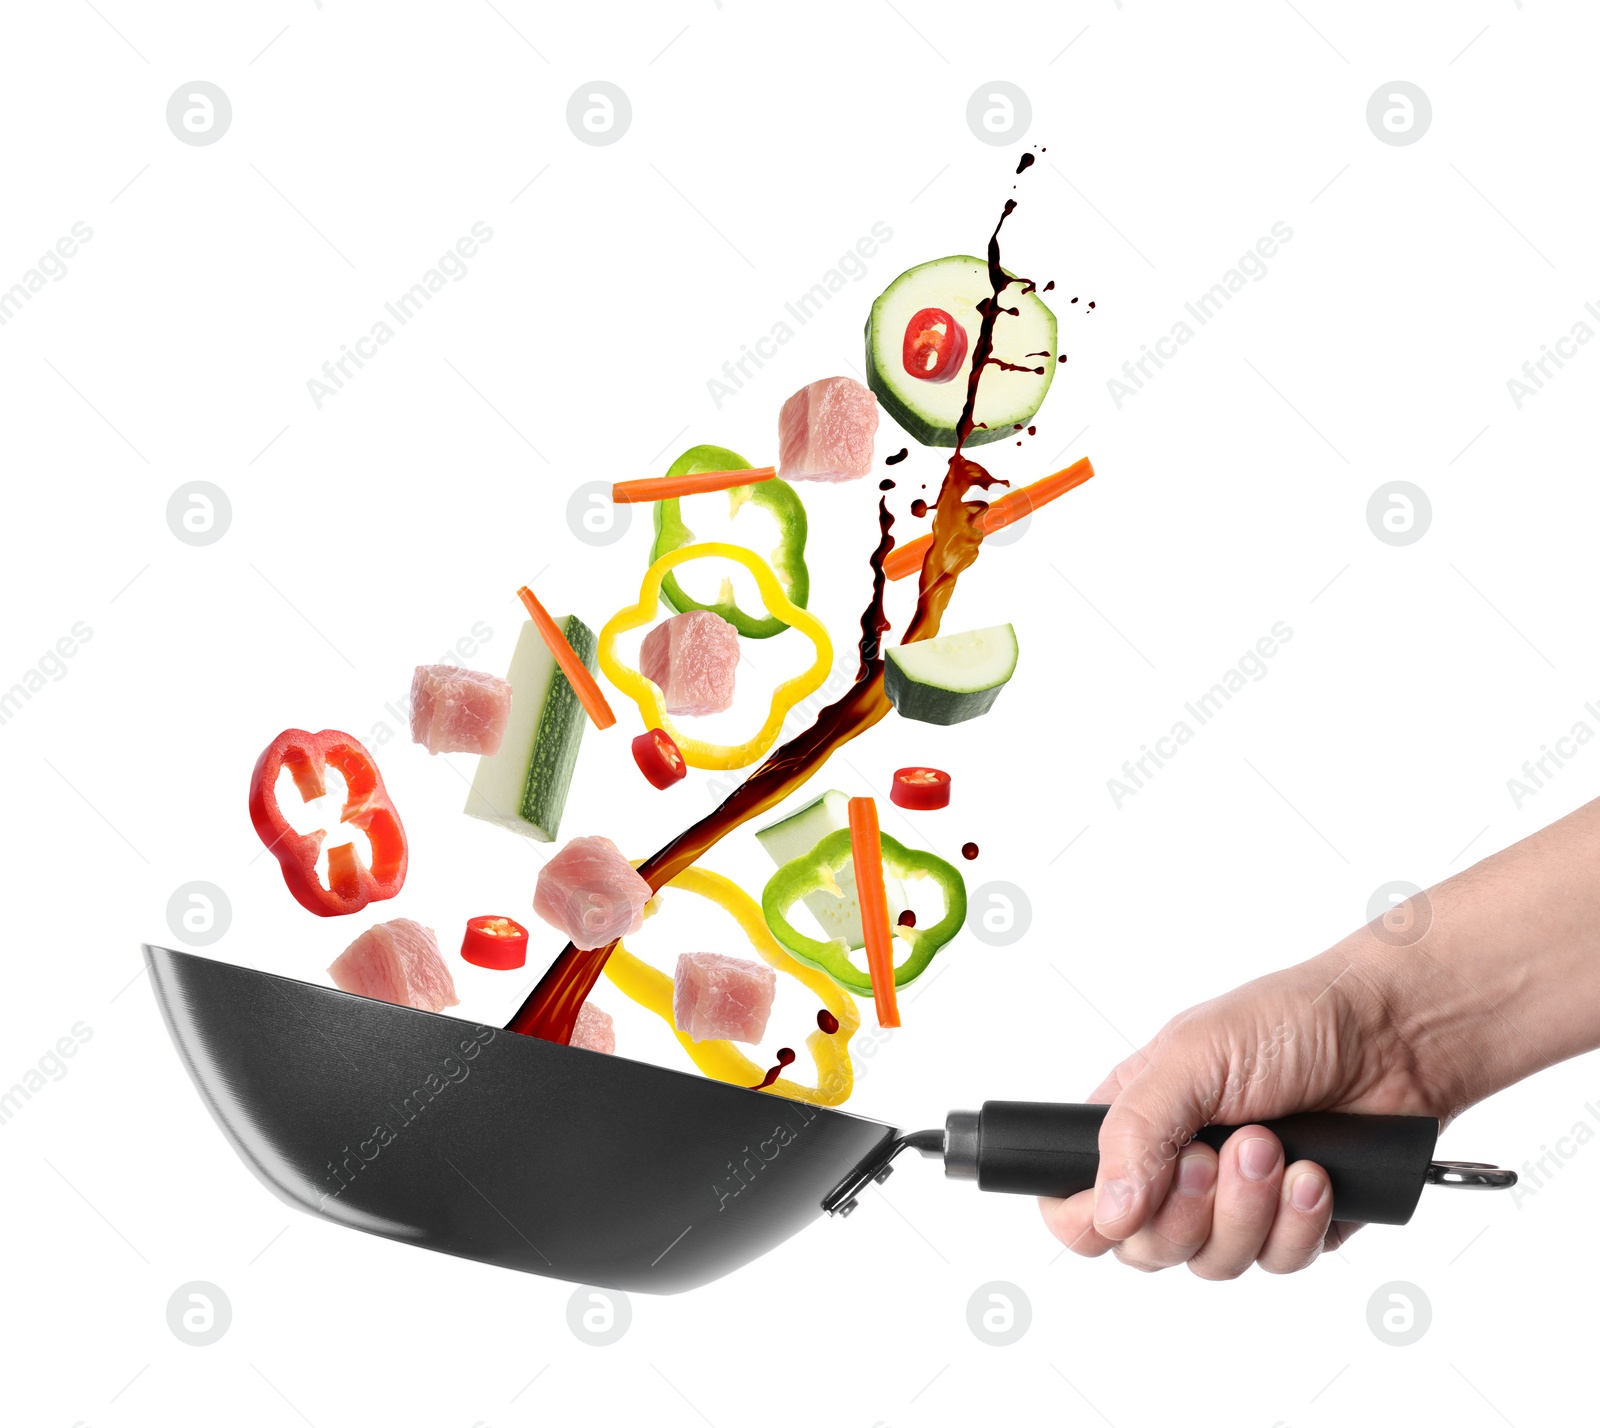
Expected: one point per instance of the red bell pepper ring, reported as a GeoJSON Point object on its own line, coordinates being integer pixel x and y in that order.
{"type": "Point", "coordinates": [351, 885]}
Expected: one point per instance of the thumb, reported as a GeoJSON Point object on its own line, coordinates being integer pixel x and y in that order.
{"type": "Point", "coordinates": [1151, 1119]}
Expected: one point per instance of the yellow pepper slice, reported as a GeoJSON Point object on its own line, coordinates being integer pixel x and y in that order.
{"type": "Point", "coordinates": [722, 1060]}
{"type": "Point", "coordinates": [647, 694]}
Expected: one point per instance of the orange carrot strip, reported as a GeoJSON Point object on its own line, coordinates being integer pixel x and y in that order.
{"type": "Point", "coordinates": [577, 673]}
{"type": "Point", "coordinates": [866, 853]}
{"type": "Point", "coordinates": [664, 488]}
{"type": "Point", "coordinates": [906, 559]}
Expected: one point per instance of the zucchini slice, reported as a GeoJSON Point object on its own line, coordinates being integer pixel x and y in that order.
{"type": "Point", "coordinates": [952, 678]}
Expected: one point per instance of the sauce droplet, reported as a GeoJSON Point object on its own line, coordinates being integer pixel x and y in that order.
{"type": "Point", "coordinates": [969, 851]}
{"type": "Point", "coordinates": [886, 484]}
{"type": "Point", "coordinates": [919, 508]}
{"type": "Point", "coordinates": [907, 918]}
{"type": "Point", "coordinates": [827, 1021]}
{"type": "Point", "coordinates": [1033, 431]}
{"type": "Point", "coordinates": [1024, 162]}
{"type": "Point", "coordinates": [785, 1056]}
{"type": "Point", "coordinates": [897, 458]}
{"type": "Point", "coordinates": [1062, 357]}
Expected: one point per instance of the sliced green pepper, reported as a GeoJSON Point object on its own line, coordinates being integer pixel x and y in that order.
{"type": "Point", "coordinates": [788, 560]}
{"type": "Point", "coordinates": [814, 872]}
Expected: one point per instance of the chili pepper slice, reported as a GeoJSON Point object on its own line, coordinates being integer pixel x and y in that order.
{"type": "Point", "coordinates": [776, 497]}
{"type": "Point", "coordinates": [814, 872]}
{"type": "Point", "coordinates": [658, 758]}
{"type": "Point", "coordinates": [935, 345]}
{"type": "Point", "coordinates": [722, 1060]}
{"type": "Point", "coordinates": [920, 788]}
{"type": "Point", "coordinates": [647, 695]}
{"type": "Point", "coordinates": [350, 886]}
{"type": "Point", "coordinates": [496, 942]}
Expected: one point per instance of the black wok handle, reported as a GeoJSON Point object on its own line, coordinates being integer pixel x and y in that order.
{"type": "Point", "coordinates": [1377, 1164]}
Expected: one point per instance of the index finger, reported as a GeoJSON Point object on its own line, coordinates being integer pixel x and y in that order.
{"type": "Point", "coordinates": [1072, 1222]}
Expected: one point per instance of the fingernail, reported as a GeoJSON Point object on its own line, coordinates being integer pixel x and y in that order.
{"type": "Point", "coordinates": [1258, 1158]}
{"type": "Point", "coordinates": [1195, 1174]}
{"type": "Point", "coordinates": [1111, 1202]}
{"type": "Point", "coordinates": [1307, 1191]}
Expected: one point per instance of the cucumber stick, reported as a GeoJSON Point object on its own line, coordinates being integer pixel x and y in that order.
{"type": "Point", "coordinates": [524, 786]}
{"type": "Point", "coordinates": [795, 836]}
{"type": "Point", "coordinates": [952, 678]}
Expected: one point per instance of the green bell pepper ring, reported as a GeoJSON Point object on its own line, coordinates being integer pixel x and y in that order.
{"type": "Point", "coordinates": [788, 560]}
{"type": "Point", "coordinates": [814, 872]}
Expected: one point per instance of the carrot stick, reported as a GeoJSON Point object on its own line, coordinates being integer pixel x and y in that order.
{"type": "Point", "coordinates": [866, 853]}
{"type": "Point", "coordinates": [906, 559]}
{"type": "Point", "coordinates": [577, 673]}
{"type": "Point", "coordinates": [664, 488]}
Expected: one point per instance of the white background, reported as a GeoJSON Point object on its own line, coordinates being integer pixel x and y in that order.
{"type": "Point", "coordinates": [369, 535]}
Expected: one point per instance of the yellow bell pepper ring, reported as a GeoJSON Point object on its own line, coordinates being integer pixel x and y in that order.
{"type": "Point", "coordinates": [722, 1060]}
{"type": "Point", "coordinates": [647, 694]}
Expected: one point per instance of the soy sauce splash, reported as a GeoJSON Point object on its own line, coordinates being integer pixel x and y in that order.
{"type": "Point", "coordinates": [1024, 163]}
{"type": "Point", "coordinates": [551, 1009]}
{"type": "Point", "coordinates": [785, 1056]}
{"type": "Point", "coordinates": [897, 458]}
{"type": "Point", "coordinates": [827, 1021]}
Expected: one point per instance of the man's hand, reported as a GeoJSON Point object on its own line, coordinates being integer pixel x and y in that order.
{"type": "Point", "coordinates": [1314, 1037]}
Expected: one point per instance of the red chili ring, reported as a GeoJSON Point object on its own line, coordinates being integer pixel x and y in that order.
{"type": "Point", "coordinates": [920, 788]}
{"type": "Point", "coordinates": [659, 759]}
{"type": "Point", "coordinates": [495, 942]}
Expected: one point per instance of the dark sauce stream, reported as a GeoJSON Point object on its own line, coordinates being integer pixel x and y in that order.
{"type": "Point", "coordinates": [551, 1009]}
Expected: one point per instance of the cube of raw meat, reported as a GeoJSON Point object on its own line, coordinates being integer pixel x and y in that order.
{"type": "Point", "coordinates": [590, 892]}
{"type": "Point", "coordinates": [693, 657]}
{"type": "Point", "coordinates": [458, 711]}
{"type": "Point", "coordinates": [825, 431]}
{"type": "Point", "coordinates": [595, 1030]}
{"type": "Point", "coordinates": [722, 998]}
{"type": "Point", "coordinates": [396, 962]}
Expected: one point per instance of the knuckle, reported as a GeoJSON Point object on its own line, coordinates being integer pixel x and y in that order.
{"type": "Point", "coordinates": [1215, 1270]}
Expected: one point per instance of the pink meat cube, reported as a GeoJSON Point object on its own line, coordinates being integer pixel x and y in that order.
{"type": "Point", "coordinates": [718, 998]}
{"type": "Point", "coordinates": [693, 657]}
{"type": "Point", "coordinates": [458, 711]}
{"type": "Point", "coordinates": [396, 962]}
{"type": "Point", "coordinates": [594, 1031]}
{"type": "Point", "coordinates": [825, 431]}
{"type": "Point", "coordinates": [590, 892]}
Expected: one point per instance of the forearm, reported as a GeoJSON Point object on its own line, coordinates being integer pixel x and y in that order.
{"type": "Point", "coordinates": [1503, 977]}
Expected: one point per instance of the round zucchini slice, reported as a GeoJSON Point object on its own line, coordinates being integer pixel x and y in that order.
{"type": "Point", "coordinates": [930, 409]}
